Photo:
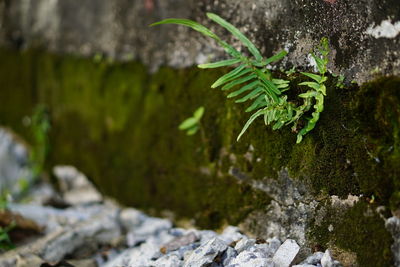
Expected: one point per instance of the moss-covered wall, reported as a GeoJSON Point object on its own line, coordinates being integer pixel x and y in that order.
{"type": "Point", "coordinates": [118, 124]}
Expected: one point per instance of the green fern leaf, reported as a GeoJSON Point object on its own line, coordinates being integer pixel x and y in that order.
{"type": "Point", "coordinates": [232, 29]}
{"type": "Point", "coordinates": [244, 89]}
{"type": "Point", "coordinates": [189, 23]}
{"type": "Point", "coordinates": [321, 66]}
{"type": "Point", "coordinates": [250, 121]}
{"type": "Point", "coordinates": [308, 94]}
{"type": "Point", "coordinates": [312, 85]}
{"type": "Point", "coordinates": [269, 85]}
{"type": "Point", "coordinates": [260, 102]}
{"type": "Point", "coordinates": [280, 81]}
{"type": "Point", "coordinates": [234, 74]}
{"type": "Point", "coordinates": [315, 77]}
{"type": "Point", "coordinates": [238, 81]}
{"type": "Point", "coordinates": [218, 64]}
{"type": "Point", "coordinates": [251, 95]}
{"type": "Point", "coordinates": [275, 58]}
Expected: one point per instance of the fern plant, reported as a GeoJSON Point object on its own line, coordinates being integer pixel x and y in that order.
{"type": "Point", "coordinates": [252, 81]}
{"type": "Point", "coordinates": [317, 89]}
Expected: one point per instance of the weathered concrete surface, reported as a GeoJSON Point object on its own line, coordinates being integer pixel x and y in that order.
{"type": "Point", "coordinates": [364, 35]}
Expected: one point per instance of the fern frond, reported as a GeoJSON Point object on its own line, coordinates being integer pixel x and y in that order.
{"type": "Point", "coordinates": [244, 89]}
{"type": "Point", "coordinates": [258, 103]}
{"type": "Point", "coordinates": [256, 81]}
{"type": "Point", "coordinates": [232, 29]}
{"type": "Point", "coordinates": [238, 81]}
{"type": "Point", "coordinates": [219, 64]}
{"type": "Point", "coordinates": [251, 95]}
{"type": "Point", "coordinates": [236, 73]}
{"type": "Point", "coordinates": [250, 121]}
{"type": "Point", "coordinates": [275, 57]}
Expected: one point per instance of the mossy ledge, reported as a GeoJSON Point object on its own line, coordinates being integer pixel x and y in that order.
{"type": "Point", "coordinates": [118, 124]}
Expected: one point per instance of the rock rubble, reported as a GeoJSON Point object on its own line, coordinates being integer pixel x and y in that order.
{"type": "Point", "coordinates": [98, 232]}
{"type": "Point", "coordinates": [89, 230]}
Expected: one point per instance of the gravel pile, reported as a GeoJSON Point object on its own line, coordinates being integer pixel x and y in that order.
{"type": "Point", "coordinates": [155, 243]}
{"type": "Point", "coordinates": [88, 230]}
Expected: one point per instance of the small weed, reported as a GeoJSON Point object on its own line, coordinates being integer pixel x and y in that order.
{"type": "Point", "coordinates": [5, 241]}
{"type": "Point", "coordinates": [40, 127]}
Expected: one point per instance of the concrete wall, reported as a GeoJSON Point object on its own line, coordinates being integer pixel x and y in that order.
{"type": "Point", "coordinates": [364, 34]}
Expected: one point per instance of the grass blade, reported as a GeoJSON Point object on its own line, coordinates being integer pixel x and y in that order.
{"type": "Point", "coordinates": [252, 48]}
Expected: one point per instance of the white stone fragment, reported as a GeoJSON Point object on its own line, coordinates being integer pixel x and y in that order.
{"type": "Point", "coordinates": [314, 259]}
{"type": "Point", "coordinates": [14, 170]}
{"type": "Point", "coordinates": [168, 261]}
{"type": "Point", "coordinates": [150, 227]}
{"type": "Point", "coordinates": [206, 235]}
{"type": "Point", "coordinates": [251, 259]}
{"type": "Point", "coordinates": [286, 253]}
{"type": "Point", "coordinates": [230, 234]}
{"type": "Point", "coordinates": [75, 186]}
{"type": "Point", "coordinates": [131, 218]}
{"type": "Point", "coordinates": [204, 255]}
{"type": "Point", "coordinates": [228, 256]}
{"type": "Point", "coordinates": [385, 30]}
{"type": "Point", "coordinates": [393, 225]}
{"type": "Point", "coordinates": [244, 244]}
{"type": "Point", "coordinates": [274, 244]}
{"type": "Point", "coordinates": [327, 260]}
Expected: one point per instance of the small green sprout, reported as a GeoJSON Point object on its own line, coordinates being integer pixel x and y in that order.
{"type": "Point", "coordinates": [192, 125]}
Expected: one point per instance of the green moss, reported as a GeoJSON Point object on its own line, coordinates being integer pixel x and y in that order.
{"type": "Point", "coordinates": [358, 229]}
